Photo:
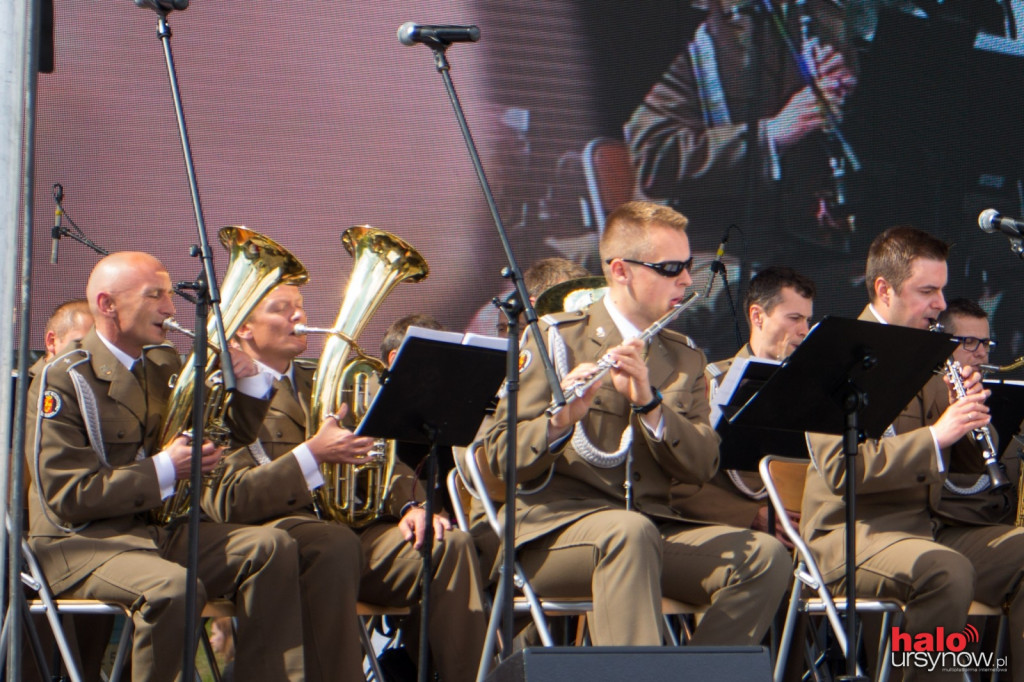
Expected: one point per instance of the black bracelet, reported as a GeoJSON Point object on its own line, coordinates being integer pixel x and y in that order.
{"type": "Point", "coordinates": [644, 409]}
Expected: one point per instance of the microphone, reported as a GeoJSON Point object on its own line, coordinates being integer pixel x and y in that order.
{"type": "Point", "coordinates": [991, 221]}
{"type": "Point", "coordinates": [58, 214]}
{"type": "Point", "coordinates": [163, 5]}
{"type": "Point", "coordinates": [411, 33]}
{"type": "Point", "coordinates": [717, 266]}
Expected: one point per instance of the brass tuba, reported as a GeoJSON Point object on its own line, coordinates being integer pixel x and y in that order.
{"type": "Point", "coordinates": [256, 264]}
{"type": "Point", "coordinates": [355, 494]}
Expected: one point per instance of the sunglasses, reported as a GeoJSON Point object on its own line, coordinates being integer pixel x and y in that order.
{"type": "Point", "coordinates": [666, 268]}
{"type": "Point", "coordinates": [971, 343]}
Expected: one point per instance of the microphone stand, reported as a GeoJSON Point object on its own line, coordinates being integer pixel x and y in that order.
{"type": "Point", "coordinates": [519, 303]}
{"type": "Point", "coordinates": [208, 299]}
{"type": "Point", "coordinates": [78, 235]}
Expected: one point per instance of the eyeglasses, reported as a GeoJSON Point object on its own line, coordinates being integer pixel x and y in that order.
{"type": "Point", "coordinates": [971, 343]}
{"type": "Point", "coordinates": [666, 268]}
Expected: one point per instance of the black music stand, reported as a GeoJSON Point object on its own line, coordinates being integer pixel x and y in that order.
{"type": "Point", "coordinates": [742, 447]}
{"type": "Point", "coordinates": [1006, 407]}
{"type": "Point", "coordinates": [824, 387]}
{"type": "Point", "coordinates": [435, 393]}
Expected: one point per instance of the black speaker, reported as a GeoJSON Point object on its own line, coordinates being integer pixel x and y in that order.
{"type": "Point", "coordinates": [646, 664]}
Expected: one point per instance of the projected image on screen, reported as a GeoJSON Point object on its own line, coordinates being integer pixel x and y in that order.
{"type": "Point", "coordinates": [802, 133]}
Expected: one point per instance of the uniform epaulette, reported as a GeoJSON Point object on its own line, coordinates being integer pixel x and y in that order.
{"type": "Point", "coordinates": [680, 337]}
{"type": "Point", "coordinates": [714, 371]}
{"type": "Point", "coordinates": [71, 358]}
{"type": "Point", "coordinates": [555, 319]}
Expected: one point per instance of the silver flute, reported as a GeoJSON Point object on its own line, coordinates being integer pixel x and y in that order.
{"type": "Point", "coordinates": [606, 364]}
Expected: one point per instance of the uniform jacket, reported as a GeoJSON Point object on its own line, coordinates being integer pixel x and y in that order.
{"type": "Point", "coordinates": [250, 492]}
{"type": "Point", "coordinates": [899, 483]}
{"type": "Point", "coordinates": [687, 452]}
{"type": "Point", "coordinates": [84, 507]}
{"type": "Point", "coordinates": [719, 499]}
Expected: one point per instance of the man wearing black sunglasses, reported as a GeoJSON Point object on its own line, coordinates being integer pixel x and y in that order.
{"type": "Point", "coordinates": [602, 525]}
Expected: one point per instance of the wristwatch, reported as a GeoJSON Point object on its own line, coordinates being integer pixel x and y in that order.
{"type": "Point", "coordinates": [644, 409]}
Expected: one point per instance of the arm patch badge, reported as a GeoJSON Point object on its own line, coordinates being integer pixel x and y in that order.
{"type": "Point", "coordinates": [51, 404]}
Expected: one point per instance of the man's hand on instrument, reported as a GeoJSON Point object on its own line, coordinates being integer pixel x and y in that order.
{"type": "Point", "coordinates": [180, 452]}
{"type": "Point", "coordinates": [243, 365]}
{"type": "Point", "coordinates": [961, 417]}
{"type": "Point", "coordinates": [574, 410]}
{"type": "Point", "coordinates": [629, 373]}
{"type": "Point", "coordinates": [335, 444]}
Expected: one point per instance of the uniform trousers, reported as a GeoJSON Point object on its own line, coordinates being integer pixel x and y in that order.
{"type": "Point", "coordinates": [626, 562]}
{"type": "Point", "coordinates": [456, 622]}
{"type": "Point", "coordinates": [937, 581]}
{"type": "Point", "coordinates": [330, 563]}
{"type": "Point", "coordinates": [256, 566]}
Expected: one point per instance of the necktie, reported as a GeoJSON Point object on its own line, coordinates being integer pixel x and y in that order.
{"type": "Point", "coordinates": [285, 384]}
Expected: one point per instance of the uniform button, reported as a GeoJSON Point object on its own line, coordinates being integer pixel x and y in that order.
{"type": "Point", "coordinates": [278, 434]}
{"type": "Point", "coordinates": [120, 434]}
{"type": "Point", "coordinates": [637, 476]}
{"type": "Point", "coordinates": [675, 443]}
{"type": "Point", "coordinates": [920, 478]}
{"type": "Point", "coordinates": [597, 401]}
{"type": "Point", "coordinates": [291, 502]}
{"type": "Point", "coordinates": [139, 501]}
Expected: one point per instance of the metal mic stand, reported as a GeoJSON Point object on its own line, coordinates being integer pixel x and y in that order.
{"type": "Point", "coordinates": [518, 303]}
{"type": "Point", "coordinates": [208, 296]}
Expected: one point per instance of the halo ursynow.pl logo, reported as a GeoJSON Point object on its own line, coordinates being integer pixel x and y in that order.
{"type": "Point", "coordinates": [942, 651]}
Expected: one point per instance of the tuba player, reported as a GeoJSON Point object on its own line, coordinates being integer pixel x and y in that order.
{"type": "Point", "coordinates": [270, 483]}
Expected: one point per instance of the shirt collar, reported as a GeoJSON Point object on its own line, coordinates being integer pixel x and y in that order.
{"type": "Point", "coordinates": [121, 356]}
{"type": "Point", "coordinates": [289, 373]}
{"type": "Point", "coordinates": [878, 316]}
{"type": "Point", "coordinates": [627, 329]}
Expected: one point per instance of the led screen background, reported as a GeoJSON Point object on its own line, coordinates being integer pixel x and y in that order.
{"type": "Point", "coordinates": [307, 117]}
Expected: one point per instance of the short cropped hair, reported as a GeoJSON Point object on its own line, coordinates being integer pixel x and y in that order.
{"type": "Point", "coordinates": [892, 253]}
{"type": "Point", "coordinates": [396, 332]}
{"type": "Point", "coordinates": [765, 288]}
{"type": "Point", "coordinates": [626, 232]}
{"type": "Point", "coordinates": [962, 307]}
{"type": "Point", "coordinates": [63, 317]}
{"type": "Point", "coordinates": [547, 272]}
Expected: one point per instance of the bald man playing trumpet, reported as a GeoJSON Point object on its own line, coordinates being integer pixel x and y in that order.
{"type": "Point", "coordinates": [97, 467]}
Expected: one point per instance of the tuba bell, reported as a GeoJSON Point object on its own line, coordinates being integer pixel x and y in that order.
{"type": "Point", "coordinates": [356, 494]}
{"type": "Point", "coordinates": [256, 264]}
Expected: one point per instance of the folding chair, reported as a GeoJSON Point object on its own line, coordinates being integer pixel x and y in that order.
{"type": "Point", "coordinates": [610, 177]}
{"type": "Point", "coordinates": [369, 614]}
{"type": "Point", "coordinates": [485, 488]}
{"type": "Point", "coordinates": [784, 480]}
{"type": "Point", "coordinates": [45, 603]}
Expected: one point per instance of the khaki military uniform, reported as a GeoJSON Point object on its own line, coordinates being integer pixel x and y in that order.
{"type": "Point", "coordinates": [908, 547]}
{"type": "Point", "coordinates": [261, 484]}
{"type": "Point", "coordinates": [92, 484]}
{"type": "Point", "coordinates": [720, 500]}
{"type": "Point", "coordinates": [576, 537]}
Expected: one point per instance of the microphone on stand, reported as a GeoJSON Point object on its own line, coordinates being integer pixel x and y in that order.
{"type": "Point", "coordinates": [991, 221]}
{"type": "Point", "coordinates": [163, 5]}
{"type": "Point", "coordinates": [58, 215]}
{"type": "Point", "coordinates": [717, 267]}
{"type": "Point", "coordinates": [411, 33]}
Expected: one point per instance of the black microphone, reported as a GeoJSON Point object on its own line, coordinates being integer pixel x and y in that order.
{"type": "Point", "coordinates": [411, 33]}
{"type": "Point", "coordinates": [58, 214]}
{"type": "Point", "coordinates": [991, 221]}
{"type": "Point", "coordinates": [163, 5]}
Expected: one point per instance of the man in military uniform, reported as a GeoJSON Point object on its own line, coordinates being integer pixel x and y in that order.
{"type": "Point", "coordinates": [603, 527]}
{"type": "Point", "coordinates": [271, 482]}
{"type": "Point", "coordinates": [967, 496]}
{"type": "Point", "coordinates": [97, 469]}
{"type": "Point", "coordinates": [779, 305]}
{"type": "Point", "coordinates": [908, 546]}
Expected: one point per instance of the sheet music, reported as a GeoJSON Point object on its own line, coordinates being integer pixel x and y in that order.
{"type": "Point", "coordinates": [734, 380]}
